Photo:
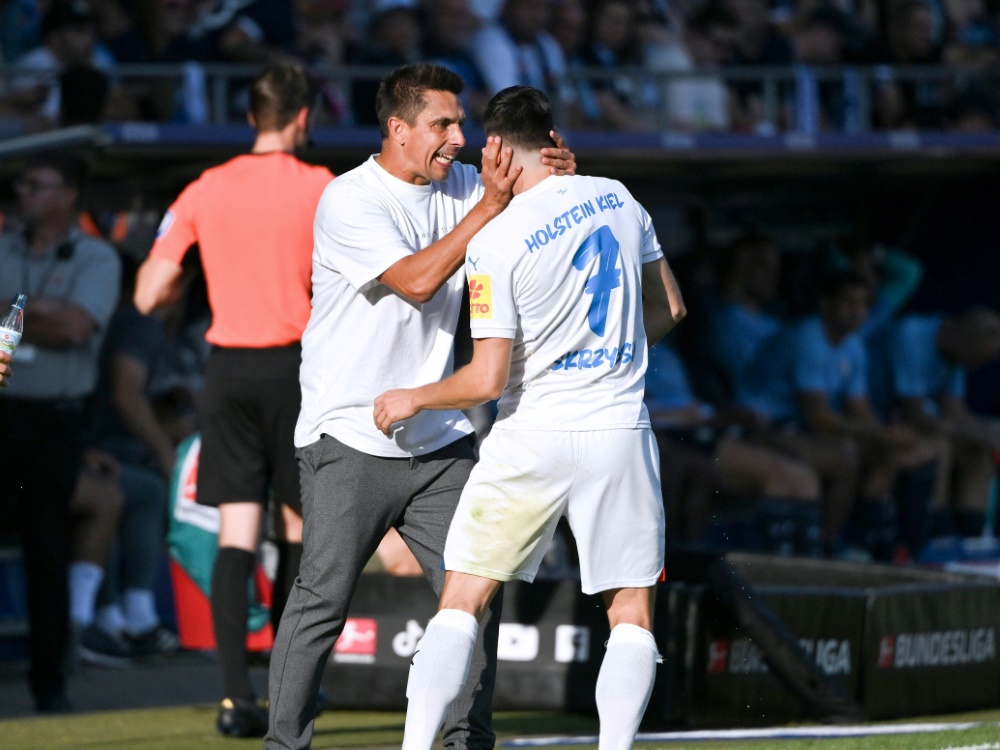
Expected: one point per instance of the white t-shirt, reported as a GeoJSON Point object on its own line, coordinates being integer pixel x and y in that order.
{"type": "Point", "coordinates": [559, 272]}
{"type": "Point", "coordinates": [362, 338]}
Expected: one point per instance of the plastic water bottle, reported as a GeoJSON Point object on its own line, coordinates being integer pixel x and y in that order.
{"type": "Point", "coordinates": [12, 324]}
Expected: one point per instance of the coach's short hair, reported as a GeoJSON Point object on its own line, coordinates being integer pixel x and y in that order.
{"type": "Point", "coordinates": [521, 116]}
{"type": "Point", "coordinates": [278, 94]}
{"type": "Point", "coordinates": [401, 93]}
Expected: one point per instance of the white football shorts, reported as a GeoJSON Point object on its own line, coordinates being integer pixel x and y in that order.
{"type": "Point", "coordinates": [606, 483]}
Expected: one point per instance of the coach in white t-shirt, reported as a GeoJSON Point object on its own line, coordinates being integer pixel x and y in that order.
{"type": "Point", "coordinates": [390, 240]}
{"type": "Point", "coordinates": [565, 286]}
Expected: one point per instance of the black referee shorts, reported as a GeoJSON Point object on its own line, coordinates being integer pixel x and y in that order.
{"type": "Point", "coordinates": [249, 409]}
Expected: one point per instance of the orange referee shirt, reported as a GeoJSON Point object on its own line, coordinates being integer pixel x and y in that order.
{"type": "Point", "coordinates": [252, 219]}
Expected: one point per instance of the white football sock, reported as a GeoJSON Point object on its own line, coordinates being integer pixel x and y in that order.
{"type": "Point", "coordinates": [140, 611]}
{"type": "Point", "coordinates": [84, 581]}
{"type": "Point", "coordinates": [624, 685]}
{"type": "Point", "coordinates": [438, 671]}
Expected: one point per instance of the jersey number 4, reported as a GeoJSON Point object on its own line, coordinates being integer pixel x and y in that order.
{"type": "Point", "coordinates": [603, 245]}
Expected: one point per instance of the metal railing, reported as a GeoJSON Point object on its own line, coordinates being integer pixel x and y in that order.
{"type": "Point", "coordinates": [211, 92]}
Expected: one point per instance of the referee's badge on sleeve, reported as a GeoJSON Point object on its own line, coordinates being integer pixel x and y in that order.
{"type": "Point", "coordinates": [480, 296]}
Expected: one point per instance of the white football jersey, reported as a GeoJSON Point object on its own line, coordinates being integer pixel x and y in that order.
{"type": "Point", "coordinates": [559, 273]}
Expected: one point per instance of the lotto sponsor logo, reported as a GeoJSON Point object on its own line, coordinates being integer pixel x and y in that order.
{"type": "Point", "coordinates": [480, 296]}
{"type": "Point", "coordinates": [938, 648]}
{"type": "Point", "coordinates": [743, 656]}
{"type": "Point", "coordinates": [358, 641]}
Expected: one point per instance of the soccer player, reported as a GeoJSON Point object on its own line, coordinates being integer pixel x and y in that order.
{"type": "Point", "coordinates": [388, 274]}
{"type": "Point", "coordinates": [567, 287]}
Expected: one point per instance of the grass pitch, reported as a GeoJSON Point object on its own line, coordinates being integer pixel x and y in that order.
{"type": "Point", "coordinates": [193, 728]}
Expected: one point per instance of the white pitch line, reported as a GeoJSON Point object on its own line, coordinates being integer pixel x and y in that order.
{"type": "Point", "coordinates": [819, 732]}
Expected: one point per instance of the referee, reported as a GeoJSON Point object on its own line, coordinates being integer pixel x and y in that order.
{"type": "Point", "coordinates": [252, 221]}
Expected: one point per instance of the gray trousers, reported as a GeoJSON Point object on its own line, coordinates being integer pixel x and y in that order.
{"type": "Point", "coordinates": [349, 501]}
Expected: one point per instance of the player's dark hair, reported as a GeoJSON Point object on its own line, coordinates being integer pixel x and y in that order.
{"type": "Point", "coordinates": [278, 94]}
{"type": "Point", "coordinates": [401, 93]}
{"type": "Point", "coordinates": [521, 116]}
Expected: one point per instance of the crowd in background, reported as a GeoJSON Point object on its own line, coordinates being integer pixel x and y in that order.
{"type": "Point", "coordinates": [845, 64]}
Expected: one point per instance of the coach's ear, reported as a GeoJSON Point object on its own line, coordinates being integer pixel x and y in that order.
{"type": "Point", "coordinates": [398, 130]}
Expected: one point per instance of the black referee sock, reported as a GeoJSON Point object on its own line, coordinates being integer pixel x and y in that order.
{"type": "Point", "coordinates": [230, 605]}
{"type": "Point", "coordinates": [289, 557]}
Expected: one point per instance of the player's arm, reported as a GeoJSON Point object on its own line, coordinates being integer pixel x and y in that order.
{"type": "Point", "coordinates": [662, 303]}
{"type": "Point", "coordinates": [418, 276]}
{"type": "Point", "coordinates": [482, 380]}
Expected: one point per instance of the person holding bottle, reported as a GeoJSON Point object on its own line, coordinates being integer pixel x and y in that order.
{"type": "Point", "coordinates": [252, 220]}
{"type": "Point", "coordinates": [11, 327]}
{"type": "Point", "coordinates": [71, 282]}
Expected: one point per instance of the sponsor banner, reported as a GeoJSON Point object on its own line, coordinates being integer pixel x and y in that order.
{"type": "Point", "coordinates": [550, 645]}
{"type": "Point", "coordinates": [732, 681]}
{"type": "Point", "coordinates": [932, 650]}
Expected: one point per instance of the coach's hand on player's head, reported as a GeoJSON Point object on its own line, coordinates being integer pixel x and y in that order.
{"type": "Point", "coordinates": [497, 174]}
{"type": "Point", "coordinates": [394, 406]}
{"type": "Point", "coordinates": [560, 159]}
{"type": "Point", "coordinates": [5, 370]}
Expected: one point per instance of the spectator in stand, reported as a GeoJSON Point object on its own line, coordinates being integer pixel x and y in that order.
{"type": "Point", "coordinates": [71, 281]}
{"type": "Point", "coordinates": [918, 374]}
{"type": "Point", "coordinates": [20, 27]}
{"type": "Point", "coordinates": [568, 27]}
{"type": "Point", "coordinates": [624, 102]}
{"type": "Point", "coordinates": [395, 37]}
{"type": "Point", "coordinates": [757, 42]}
{"type": "Point", "coordinates": [704, 102]}
{"type": "Point", "coordinates": [518, 50]}
{"type": "Point", "coordinates": [449, 25]}
{"type": "Point", "coordinates": [786, 489]}
{"type": "Point", "coordinates": [811, 380]}
{"type": "Point", "coordinates": [911, 35]}
{"type": "Point", "coordinates": [826, 37]}
{"type": "Point", "coordinates": [972, 39]}
{"type": "Point", "coordinates": [69, 34]}
{"type": "Point", "coordinates": [323, 36]}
